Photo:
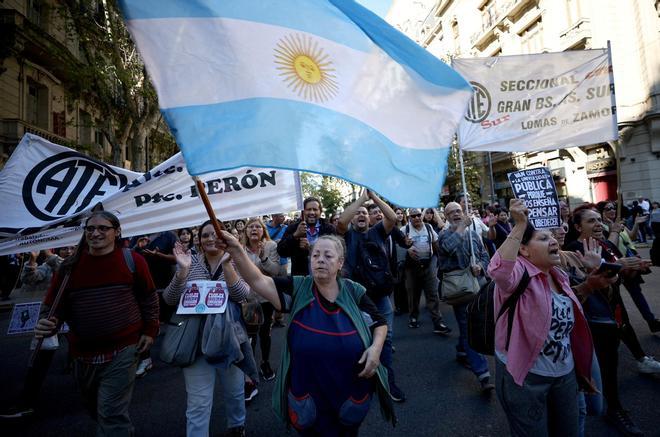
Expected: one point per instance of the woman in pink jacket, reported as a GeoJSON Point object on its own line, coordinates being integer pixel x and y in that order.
{"type": "Point", "coordinates": [549, 350]}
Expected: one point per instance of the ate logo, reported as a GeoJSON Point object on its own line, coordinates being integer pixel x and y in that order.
{"type": "Point", "coordinates": [480, 105]}
{"type": "Point", "coordinates": [67, 183]}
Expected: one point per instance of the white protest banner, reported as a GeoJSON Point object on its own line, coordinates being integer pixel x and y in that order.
{"type": "Point", "coordinates": [46, 191]}
{"type": "Point", "coordinates": [203, 297]}
{"type": "Point", "coordinates": [536, 188]}
{"type": "Point", "coordinates": [43, 183]}
{"type": "Point", "coordinates": [536, 102]}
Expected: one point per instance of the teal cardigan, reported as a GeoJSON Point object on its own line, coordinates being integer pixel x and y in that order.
{"type": "Point", "coordinates": [350, 294]}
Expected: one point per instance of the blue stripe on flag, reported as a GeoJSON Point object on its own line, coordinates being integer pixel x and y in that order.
{"type": "Point", "coordinates": [317, 17]}
{"type": "Point", "coordinates": [286, 134]}
{"type": "Point", "coordinates": [401, 48]}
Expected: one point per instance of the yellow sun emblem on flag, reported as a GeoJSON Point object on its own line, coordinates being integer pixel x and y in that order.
{"type": "Point", "coordinates": [305, 68]}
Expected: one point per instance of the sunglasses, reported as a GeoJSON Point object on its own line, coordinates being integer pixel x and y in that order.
{"type": "Point", "coordinates": [102, 229]}
{"type": "Point", "coordinates": [415, 215]}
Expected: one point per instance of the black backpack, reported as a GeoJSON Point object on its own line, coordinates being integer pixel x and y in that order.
{"type": "Point", "coordinates": [481, 316]}
{"type": "Point", "coordinates": [372, 269]}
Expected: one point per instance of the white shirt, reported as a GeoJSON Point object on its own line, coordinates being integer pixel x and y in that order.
{"type": "Point", "coordinates": [556, 357]}
{"type": "Point", "coordinates": [420, 239]}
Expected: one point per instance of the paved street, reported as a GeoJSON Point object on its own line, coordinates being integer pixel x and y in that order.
{"type": "Point", "coordinates": [443, 398]}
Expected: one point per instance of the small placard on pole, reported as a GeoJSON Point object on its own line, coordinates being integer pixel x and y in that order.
{"type": "Point", "coordinates": [536, 188]}
{"type": "Point", "coordinates": [24, 318]}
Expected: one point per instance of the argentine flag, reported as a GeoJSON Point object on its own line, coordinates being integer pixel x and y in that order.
{"type": "Point", "coordinates": [319, 85]}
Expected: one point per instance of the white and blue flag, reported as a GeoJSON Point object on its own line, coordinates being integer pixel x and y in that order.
{"type": "Point", "coordinates": [319, 85]}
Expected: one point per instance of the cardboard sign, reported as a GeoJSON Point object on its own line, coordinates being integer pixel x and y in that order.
{"type": "Point", "coordinates": [203, 297]}
{"type": "Point", "coordinates": [24, 318]}
{"type": "Point", "coordinates": [536, 188]}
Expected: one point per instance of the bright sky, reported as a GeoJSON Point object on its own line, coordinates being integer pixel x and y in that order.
{"type": "Point", "coordinates": [378, 6]}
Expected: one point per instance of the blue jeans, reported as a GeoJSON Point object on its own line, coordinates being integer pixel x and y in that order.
{"type": "Point", "coordinates": [477, 361]}
{"type": "Point", "coordinates": [384, 305]}
{"type": "Point", "coordinates": [200, 382]}
{"type": "Point", "coordinates": [590, 404]}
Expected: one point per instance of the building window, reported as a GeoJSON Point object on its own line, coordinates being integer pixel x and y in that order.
{"type": "Point", "coordinates": [85, 127]}
{"type": "Point", "coordinates": [572, 12]}
{"type": "Point", "coordinates": [37, 104]}
{"type": "Point", "coordinates": [99, 138]}
{"type": "Point", "coordinates": [532, 38]}
{"type": "Point", "coordinates": [37, 12]}
{"type": "Point", "coordinates": [59, 124]}
{"type": "Point", "coordinates": [454, 29]}
{"type": "Point", "coordinates": [489, 15]}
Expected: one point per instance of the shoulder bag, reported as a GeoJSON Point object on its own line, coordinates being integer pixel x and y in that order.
{"type": "Point", "coordinates": [460, 286]}
{"type": "Point", "coordinates": [181, 343]}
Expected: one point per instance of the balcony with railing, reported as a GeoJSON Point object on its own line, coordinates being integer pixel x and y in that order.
{"type": "Point", "coordinates": [493, 15]}
{"type": "Point", "coordinates": [576, 35]}
{"type": "Point", "coordinates": [23, 36]}
{"type": "Point", "coordinates": [12, 130]}
{"type": "Point", "coordinates": [430, 27]}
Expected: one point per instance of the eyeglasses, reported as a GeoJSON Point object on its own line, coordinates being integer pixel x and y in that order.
{"type": "Point", "coordinates": [102, 229]}
{"type": "Point", "coordinates": [609, 208]}
{"type": "Point", "coordinates": [415, 215]}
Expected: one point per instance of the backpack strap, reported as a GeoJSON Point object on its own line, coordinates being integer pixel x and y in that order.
{"type": "Point", "coordinates": [510, 305]}
{"type": "Point", "coordinates": [428, 231]}
{"type": "Point", "coordinates": [128, 257]}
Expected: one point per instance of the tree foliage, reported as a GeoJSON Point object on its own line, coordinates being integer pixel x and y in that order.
{"type": "Point", "coordinates": [114, 78]}
{"type": "Point", "coordinates": [472, 175]}
{"type": "Point", "coordinates": [334, 193]}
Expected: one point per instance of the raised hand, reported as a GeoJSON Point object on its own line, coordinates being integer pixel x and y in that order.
{"type": "Point", "coordinates": [183, 257]}
{"type": "Point", "coordinates": [592, 254]}
{"type": "Point", "coordinates": [616, 227]}
{"type": "Point", "coordinates": [518, 211]}
{"type": "Point", "coordinates": [301, 231]}
{"type": "Point", "coordinates": [630, 263]}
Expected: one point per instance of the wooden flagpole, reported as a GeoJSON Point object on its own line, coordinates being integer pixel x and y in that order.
{"type": "Point", "coordinates": [201, 190]}
{"type": "Point", "coordinates": [51, 313]}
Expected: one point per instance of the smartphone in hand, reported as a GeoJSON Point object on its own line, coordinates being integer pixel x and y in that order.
{"type": "Point", "coordinates": [609, 269]}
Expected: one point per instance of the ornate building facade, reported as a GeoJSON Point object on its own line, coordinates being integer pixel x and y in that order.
{"type": "Point", "coordinates": [484, 28]}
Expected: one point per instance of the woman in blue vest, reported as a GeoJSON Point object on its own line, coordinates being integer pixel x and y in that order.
{"type": "Point", "coordinates": [330, 364]}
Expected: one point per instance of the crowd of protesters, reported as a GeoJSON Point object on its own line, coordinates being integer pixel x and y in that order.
{"type": "Point", "coordinates": [337, 285]}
